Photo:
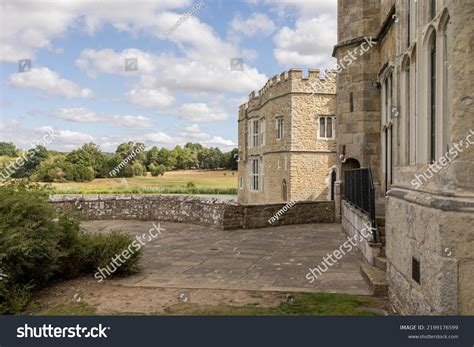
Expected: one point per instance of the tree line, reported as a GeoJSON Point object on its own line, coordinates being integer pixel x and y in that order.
{"type": "Point", "coordinates": [89, 161]}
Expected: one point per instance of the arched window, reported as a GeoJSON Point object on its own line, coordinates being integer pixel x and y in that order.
{"type": "Point", "coordinates": [406, 121]}
{"type": "Point", "coordinates": [443, 83]}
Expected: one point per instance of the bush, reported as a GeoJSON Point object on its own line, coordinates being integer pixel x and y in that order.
{"type": "Point", "coordinates": [38, 246]}
{"type": "Point", "coordinates": [103, 248]}
{"type": "Point", "coordinates": [14, 297]}
{"type": "Point", "coordinates": [157, 170]}
{"type": "Point", "coordinates": [190, 184]}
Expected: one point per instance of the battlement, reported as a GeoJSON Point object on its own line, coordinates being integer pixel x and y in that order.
{"type": "Point", "coordinates": [290, 81]}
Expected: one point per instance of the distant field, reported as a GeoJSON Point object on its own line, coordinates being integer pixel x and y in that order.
{"type": "Point", "coordinates": [173, 182]}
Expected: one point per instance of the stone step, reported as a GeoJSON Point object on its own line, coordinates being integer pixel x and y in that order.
{"type": "Point", "coordinates": [375, 278]}
{"type": "Point", "coordinates": [376, 248]}
{"type": "Point", "coordinates": [381, 262]}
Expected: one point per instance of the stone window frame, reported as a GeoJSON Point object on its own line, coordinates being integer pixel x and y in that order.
{"type": "Point", "coordinates": [387, 78]}
{"type": "Point", "coordinates": [254, 132]}
{"type": "Point", "coordinates": [280, 127]}
{"type": "Point", "coordinates": [256, 174]}
{"type": "Point", "coordinates": [262, 141]}
{"type": "Point", "coordinates": [333, 127]}
{"type": "Point", "coordinates": [436, 31]}
{"type": "Point", "coordinates": [241, 183]}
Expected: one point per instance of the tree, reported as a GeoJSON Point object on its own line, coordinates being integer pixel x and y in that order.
{"type": "Point", "coordinates": [89, 156]}
{"type": "Point", "coordinates": [31, 160]}
{"type": "Point", "coordinates": [157, 170]}
{"type": "Point", "coordinates": [134, 150]}
{"type": "Point", "coordinates": [231, 160]}
{"type": "Point", "coordinates": [8, 149]}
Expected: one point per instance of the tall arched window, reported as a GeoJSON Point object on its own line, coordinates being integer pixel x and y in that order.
{"type": "Point", "coordinates": [406, 119]}
{"type": "Point", "coordinates": [432, 109]}
{"type": "Point", "coordinates": [443, 83]}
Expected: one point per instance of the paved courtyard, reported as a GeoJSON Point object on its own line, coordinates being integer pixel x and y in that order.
{"type": "Point", "coordinates": [275, 258]}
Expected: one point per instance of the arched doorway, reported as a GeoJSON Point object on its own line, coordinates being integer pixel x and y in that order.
{"type": "Point", "coordinates": [349, 163]}
{"type": "Point", "coordinates": [284, 191]}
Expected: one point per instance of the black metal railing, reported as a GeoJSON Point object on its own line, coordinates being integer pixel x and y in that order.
{"type": "Point", "coordinates": [359, 190]}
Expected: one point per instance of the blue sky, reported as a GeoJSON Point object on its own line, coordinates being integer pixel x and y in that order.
{"type": "Point", "coordinates": [183, 90]}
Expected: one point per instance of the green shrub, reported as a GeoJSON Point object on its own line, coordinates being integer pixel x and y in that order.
{"type": "Point", "coordinates": [14, 297]}
{"type": "Point", "coordinates": [157, 170]}
{"type": "Point", "coordinates": [190, 184]}
{"type": "Point", "coordinates": [29, 236]}
{"type": "Point", "coordinates": [103, 248]}
{"type": "Point", "coordinates": [38, 246]}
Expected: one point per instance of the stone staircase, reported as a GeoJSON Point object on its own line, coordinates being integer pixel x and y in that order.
{"type": "Point", "coordinates": [375, 274]}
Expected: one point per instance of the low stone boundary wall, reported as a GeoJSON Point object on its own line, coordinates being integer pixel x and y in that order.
{"type": "Point", "coordinates": [222, 214]}
{"type": "Point", "coordinates": [353, 221]}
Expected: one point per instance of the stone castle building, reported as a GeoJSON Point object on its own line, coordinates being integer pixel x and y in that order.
{"type": "Point", "coordinates": [403, 123]}
{"type": "Point", "coordinates": [287, 148]}
{"type": "Point", "coordinates": [404, 110]}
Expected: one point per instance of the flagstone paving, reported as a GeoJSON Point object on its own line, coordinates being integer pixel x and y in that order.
{"type": "Point", "coordinates": [271, 259]}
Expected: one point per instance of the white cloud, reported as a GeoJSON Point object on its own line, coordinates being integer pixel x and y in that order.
{"type": "Point", "coordinates": [159, 138]}
{"type": "Point", "coordinates": [201, 112]}
{"type": "Point", "coordinates": [132, 121]}
{"type": "Point", "coordinates": [66, 136]}
{"type": "Point", "coordinates": [83, 115]}
{"type": "Point", "coordinates": [197, 72]}
{"type": "Point", "coordinates": [79, 115]}
{"type": "Point", "coordinates": [255, 24]}
{"type": "Point", "coordinates": [48, 81]}
{"type": "Point", "coordinates": [31, 25]}
{"type": "Point", "coordinates": [194, 133]}
{"type": "Point", "coordinates": [150, 98]}
{"type": "Point", "coordinates": [310, 43]}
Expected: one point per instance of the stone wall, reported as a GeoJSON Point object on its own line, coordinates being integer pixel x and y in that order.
{"type": "Point", "coordinates": [300, 159]}
{"type": "Point", "coordinates": [221, 214]}
{"type": "Point", "coordinates": [353, 221]}
{"type": "Point", "coordinates": [436, 231]}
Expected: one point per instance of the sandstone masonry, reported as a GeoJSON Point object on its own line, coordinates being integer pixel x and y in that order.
{"type": "Point", "coordinates": [287, 146]}
{"type": "Point", "coordinates": [221, 214]}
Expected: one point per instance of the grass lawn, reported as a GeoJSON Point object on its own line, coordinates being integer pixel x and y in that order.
{"type": "Point", "coordinates": [172, 182]}
{"type": "Point", "coordinates": [294, 304]}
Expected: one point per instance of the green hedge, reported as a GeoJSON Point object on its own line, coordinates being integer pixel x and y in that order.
{"type": "Point", "coordinates": [38, 246]}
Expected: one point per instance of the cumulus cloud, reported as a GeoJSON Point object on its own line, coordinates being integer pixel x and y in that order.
{"type": "Point", "coordinates": [31, 25]}
{"type": "Point", "coordinates": [84, 115]}
{"type": "Point", "coordinates": [49, 82]}
{"type": "Point", "coordinates": [150, 98]}
{"type": "Point", "coordinates": [132, 121]}
{"type": "Point", "coordinates": [79, 115]}
{"type": "Point", "coordinates": [255, 24]}
{"type": "Point", "coordinates": [193, 133]}
{"type": "Point", "coordinates": [65, 136]}
{"type": "Point", "coordinates": [201, 112]}
{"type": "Point", "coordinates": [198, 72]}
{"type": "Point", "coordinates": [310, 43]}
